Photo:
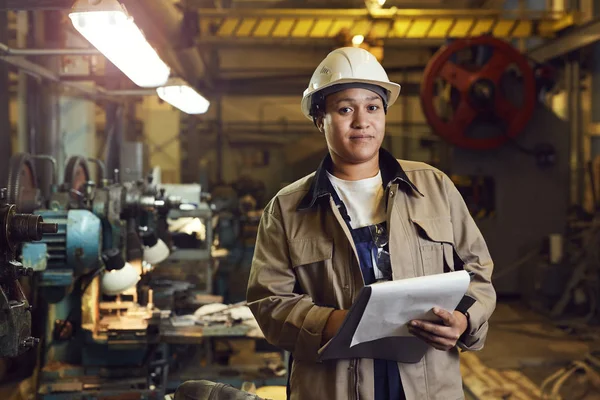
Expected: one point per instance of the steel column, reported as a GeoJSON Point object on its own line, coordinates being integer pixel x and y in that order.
{"type": "Point", "coordinates": [115, 131]}
{"type": "Point", "coordinates": [595, 92]}
{"type": "Point", "coordinates": [568, 77]}
{"type": "Point", "coordinates": [5, 125]}
{"type": "Point", "coordinates": [49, 138]}
{"type": "Point", "coordinates": [22, 125]}
{"type": "Point", "coordinates": [573, 88]}
{"type": "Point", "coordinates": [213, 71]}
{"type": "Point", "coordinates": [579, 132]}
{"type": "Point", "coordinates": [220, 138]}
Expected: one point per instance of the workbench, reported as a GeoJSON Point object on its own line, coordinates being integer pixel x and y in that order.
{"type": "Point", "coordinates": [193, 349]}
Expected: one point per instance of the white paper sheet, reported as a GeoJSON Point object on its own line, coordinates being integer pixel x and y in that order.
{"type": "Point", "coordinates": [393, 304]}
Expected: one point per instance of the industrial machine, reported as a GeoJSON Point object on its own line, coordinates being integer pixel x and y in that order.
{"type": "Point", "coordinates": [484, 98]}
{"type": "Point", "coordinates": [238, 209]}
{"type": "Point", "coordinates": [15, 319]}
{"type": "Point", "coordinates": [100, 322]}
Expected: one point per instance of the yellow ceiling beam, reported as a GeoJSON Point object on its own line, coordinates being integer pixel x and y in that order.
{"type": "Point", "coordinates": [383, 24]}
{"type": "Point", "coordinates": [441, 28]}
{"type": "Point", "coordinates": [503, 28]}
{"type": "Point", "coordinates": [482, 27]}
{"type": "Point", "coordinates": [264, 27]}
{"type": "Point", "coordinates": [461, 28]}
{"type": "Point", "coordinates": [283, 27]}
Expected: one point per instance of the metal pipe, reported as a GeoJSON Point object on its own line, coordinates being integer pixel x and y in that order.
{"type": "Point", "coordinates": [39, 71]}
{"type": "Point", "coordinates": [52, 52]}
{"type": "Point", "coordinates": [132, 92]}
{"type": "Point", "coordinates": [9, 51]}
{"type": "Point", "coordinates": [38, 4]}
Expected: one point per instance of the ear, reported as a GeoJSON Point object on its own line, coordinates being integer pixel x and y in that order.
{"type": "Point", "coordinates": [320, 123]}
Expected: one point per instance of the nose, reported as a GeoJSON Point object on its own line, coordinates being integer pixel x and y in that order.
{"type": "Point", "coordinates": [361, 120]}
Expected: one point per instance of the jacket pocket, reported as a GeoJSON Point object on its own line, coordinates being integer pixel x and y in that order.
{"type": "Point", "coordinates": [436, 244]}
{"type": "Point", "coordinates": [443, 374]}
{"type": "Point", "coordinates": [312, 261]}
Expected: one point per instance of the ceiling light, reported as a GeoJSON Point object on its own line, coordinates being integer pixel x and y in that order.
{"type": "Point", "coordinates": [108, 27]}
{"type": "Point", "coordinates": [357, 40]}
{"type": "Point", "coordinates": [374, 5]}
{"type": "Point", "coordinates": [182, 96]}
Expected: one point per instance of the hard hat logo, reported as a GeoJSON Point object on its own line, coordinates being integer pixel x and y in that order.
{"type": "Point", "coordinates": [348, 65]}
{"type": "Point", "coordinates": [325, 71]}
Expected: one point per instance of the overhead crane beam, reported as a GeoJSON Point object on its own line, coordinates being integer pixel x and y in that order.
{"type": "Point", "coordinates": [571, 41]}
{"type": "Point", "coordinates": [302, 25]}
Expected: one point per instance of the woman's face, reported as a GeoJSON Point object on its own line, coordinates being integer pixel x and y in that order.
{"type": "Point", "coordinates": [353, 124]}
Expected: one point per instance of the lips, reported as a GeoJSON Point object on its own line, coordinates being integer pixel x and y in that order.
{"type": "Point", "coordinates": [358, 137]}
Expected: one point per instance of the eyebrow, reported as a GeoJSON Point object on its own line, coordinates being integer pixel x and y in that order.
{"type": "Point", "coordinates": [351, 100]}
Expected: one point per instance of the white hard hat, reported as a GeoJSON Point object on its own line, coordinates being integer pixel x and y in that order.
{"type": "Point", "coordinates": [348, 65]}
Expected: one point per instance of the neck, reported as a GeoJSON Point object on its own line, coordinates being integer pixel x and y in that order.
{"type": "Point", "coordinates": [354, 172]}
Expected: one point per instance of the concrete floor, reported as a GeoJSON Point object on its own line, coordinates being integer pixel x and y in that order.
{"type": "Point", "coordinates": [523, 348]}
{"type": "Point", "coordinates": [532, 348]}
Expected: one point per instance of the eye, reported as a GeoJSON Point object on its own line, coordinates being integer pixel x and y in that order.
{"type": "Point", "coordinates": [345, 110]}
{"type": "Point", "coordinates": [373, 108]}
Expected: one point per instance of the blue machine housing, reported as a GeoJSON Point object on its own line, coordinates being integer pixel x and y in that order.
{"type": "Point", "coordinates": [75, 250]}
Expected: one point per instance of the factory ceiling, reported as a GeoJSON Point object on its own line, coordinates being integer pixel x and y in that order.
{"type": "Point", "coordinates": [235, 46]}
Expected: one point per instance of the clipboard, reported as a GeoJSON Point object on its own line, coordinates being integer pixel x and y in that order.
{"type": "Point", "coordinates": [405, 349]}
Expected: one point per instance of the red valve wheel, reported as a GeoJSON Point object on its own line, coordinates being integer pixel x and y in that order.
{"type": "Point", "coordinates": [477, 91]}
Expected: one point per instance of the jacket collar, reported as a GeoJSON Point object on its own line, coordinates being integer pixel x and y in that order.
{"type": "Point", "coordinates": [320, 187]}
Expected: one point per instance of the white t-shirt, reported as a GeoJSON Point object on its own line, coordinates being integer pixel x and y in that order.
{"type": "Point", "coordinates": [363, 199]}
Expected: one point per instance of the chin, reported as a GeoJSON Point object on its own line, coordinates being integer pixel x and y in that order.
{"type": "Point", "coordinates": [358, 157]}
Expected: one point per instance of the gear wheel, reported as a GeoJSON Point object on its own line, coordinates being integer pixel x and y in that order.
{"type": "Point", "coordinates": [22, 183]}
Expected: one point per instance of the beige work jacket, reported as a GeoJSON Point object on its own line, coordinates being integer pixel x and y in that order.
{"type": "Point", "coordinates": [305, 265]}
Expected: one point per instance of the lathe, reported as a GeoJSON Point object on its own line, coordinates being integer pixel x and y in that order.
{"type": "Point", "coordinates": [100, 322]}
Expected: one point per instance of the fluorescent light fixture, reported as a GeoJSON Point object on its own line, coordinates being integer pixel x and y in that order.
{"type": "Point", "coordinates": [108, 27]}
{"type": "Point", "coordinates": [180, 95]}
{"type": "Point", "coordinates": [357, 40]}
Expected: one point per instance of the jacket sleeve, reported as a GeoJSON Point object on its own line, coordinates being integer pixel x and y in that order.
{"type": "Point", "coordinates": [288, 320]}
{"type": "Point", "coordinates": [480, 300]}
